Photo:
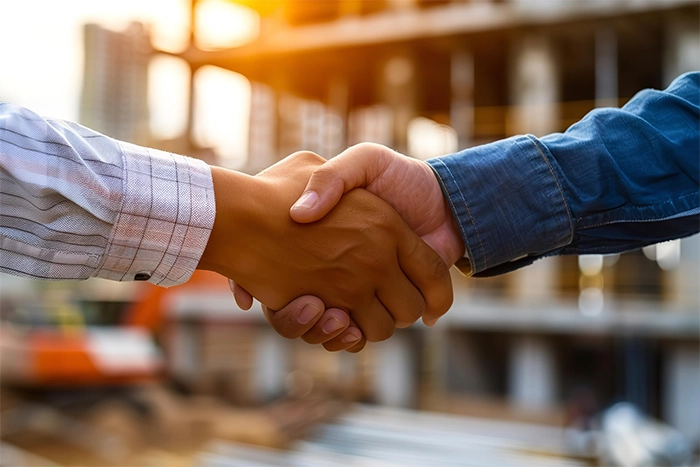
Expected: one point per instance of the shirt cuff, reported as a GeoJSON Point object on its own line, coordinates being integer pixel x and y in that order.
{"type": "Point", "coordinates": [167, 213]}
{"type": "Point", "coordinates": [508, 203]}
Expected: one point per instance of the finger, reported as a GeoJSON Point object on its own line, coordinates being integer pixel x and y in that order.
{"type": "Point", "coordinates": [333, 323]}
{"type": "Point", "coordinates": [243, 299]}
{"type": "Point", "coordinates": [351, 338]}
{"type": "Point", "coordinates": [357, 347]}
{"type": "Point", "coordinates": [355, 167]}
{"type": "Point", "coordinates": [374, 321]}
{"type": "Point", "coordinates": [402, 299]}
{"type": "Point", "coordinates": [297, 317]}
{"type": "Point", "coordinates": [429, 273]}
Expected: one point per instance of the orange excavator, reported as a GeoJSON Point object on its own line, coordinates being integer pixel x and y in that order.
{"type": "Point", "coordinates": [82, 372]}
{"type": "Point", "coordinates": [58, 347]}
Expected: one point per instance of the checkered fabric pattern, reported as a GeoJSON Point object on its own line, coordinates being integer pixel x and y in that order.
{"type": "Point", "coordinates": [76, 204]}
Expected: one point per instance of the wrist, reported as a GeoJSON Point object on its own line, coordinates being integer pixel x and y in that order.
{"type": "Point", "coordinates": [456, 249]}
{"type": "Point", "coordinates": [236, 203]}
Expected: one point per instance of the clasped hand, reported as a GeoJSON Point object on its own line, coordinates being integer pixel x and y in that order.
{"type": "Point", "coordinates": [341, 264]}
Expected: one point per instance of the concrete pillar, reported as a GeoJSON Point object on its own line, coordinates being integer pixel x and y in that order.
{"type": "Point", "coordinates": [271, 364]}
{"type": "Point", "coordinates": [398, 90]}
{"type": "Point", "coordinates": [467, 369]}
{"type": "Point", "coordinates": [681, 46]}
{"type": "Point", "coordinates": [334, 137]}
{"type": "Point", "coordinates": [534, 85]}
{"type": "Point", "coordinates": [681, 279]}
{"type": "Point", "coordinates": [435, 372]}
{"type": "Point", "coordinates": [681, 396]}
{"type": "Point", "coordinates": [462, 104]}
{"type": "Point", "coordinates": [373, 124]}
{"type": "Point", "coordinates": [262, 139]}
{"type": "Point", "coordinates": [636, 370]}
{"type": "Point", "coordinates": [536, 283]}
{"type": "Point", "coordinates": [394, 381]}
{"type": "Point", "coordinates": [531, 373]}
{"type": "Point", "coordinates": [606, 67]}
{"type": "Point", "coordinates": [184, 350]}
{"type": "Point", "coordinates": [348, 376]}
{"type": "Point", "coordinates": [311, 119]}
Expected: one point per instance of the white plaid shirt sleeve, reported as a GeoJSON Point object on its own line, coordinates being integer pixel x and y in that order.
{"type": "Point", "coordinates": [77, 204]}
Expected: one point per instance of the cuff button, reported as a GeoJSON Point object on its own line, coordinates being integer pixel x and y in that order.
{"type": "Point", "coordinates": [142, 276]}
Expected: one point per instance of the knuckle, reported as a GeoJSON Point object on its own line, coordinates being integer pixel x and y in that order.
{"type": "Point", "coordinates": [285, 325]}
{"type": "Point", "coordinates": [307, 156]}
{"type": "Point", "coordinates": [413, 246]}
{"type": "Point", "coordinates": [416, 308]}
{"type": "Point", "coordinates": [380, 333]}
{"type": "Point", "coordinates": [325, 174]}
{"type": "Point", "coordinates": [365, 147]}
{"type": "Point", "coordinates": [347, 293]}
{"type": "Point", "coordinates": [443, 302]}
{"type": "Point", "coordinates": [439, 269]}
{"type": "Point", "coordinates": [287, 329]}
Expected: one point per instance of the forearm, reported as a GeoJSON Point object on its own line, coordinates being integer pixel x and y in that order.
{"type": "Point", "coordinates": [77, 204]}
{"type": "Point", "coordinates": [593, 189]}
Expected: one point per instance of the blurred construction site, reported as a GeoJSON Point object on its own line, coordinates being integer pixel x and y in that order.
{"type": "Point", "coordinates": [591, 360]}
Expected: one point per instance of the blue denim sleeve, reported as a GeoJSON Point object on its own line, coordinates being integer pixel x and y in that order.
{"type": "Point", "coordinates": [617, 180]}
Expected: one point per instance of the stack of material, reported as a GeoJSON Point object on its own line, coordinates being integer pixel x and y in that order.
{"type": "Point", "coordinates": [275, 426]}
{"type": "Point", "coordinates": [382, 437]}
{"type": "Point", "coordinates": [12, 456]}
{"type": "Point", "coordinates": [168, 431]}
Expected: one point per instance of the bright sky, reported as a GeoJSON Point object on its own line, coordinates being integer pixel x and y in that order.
{"type": "Point", "coordinates": [41, 62]}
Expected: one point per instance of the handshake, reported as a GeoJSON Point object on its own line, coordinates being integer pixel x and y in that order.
{"type": "Point", "coordinates": [346, 249]}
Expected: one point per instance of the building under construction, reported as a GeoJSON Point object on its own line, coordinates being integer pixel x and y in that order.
{"type": "Point", "coordinates": [553, 343]}
{"type": "Point", "coordinates": [455, 74]}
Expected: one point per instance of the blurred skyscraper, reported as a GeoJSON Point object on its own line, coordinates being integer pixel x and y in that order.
{"type": "Point", "coordinates": [115, 82]}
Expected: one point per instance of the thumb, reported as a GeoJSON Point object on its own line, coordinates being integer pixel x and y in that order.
{"type": "Point", "coordinates": [357, 166]}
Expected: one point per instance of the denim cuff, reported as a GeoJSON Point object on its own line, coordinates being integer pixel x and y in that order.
{"type": "Point", "coordinates": [508, 203]}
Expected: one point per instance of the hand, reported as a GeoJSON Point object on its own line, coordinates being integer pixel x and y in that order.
{"type": "Point", "coordinates": [305, 317]}
{"type": "Point", "coordinates": [361, 257]}
{"type": "Point", "coordinates": [408, 185]}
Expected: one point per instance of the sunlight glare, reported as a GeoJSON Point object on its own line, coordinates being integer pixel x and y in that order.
{"type": "Point", "coordinates": [221, 113]}
{"type": "Point", "coordinates": [221, 24]}
{"type": "Point", "coordinates": [427, 138]}
{"type": "Point", "coordinates": [168, 96]}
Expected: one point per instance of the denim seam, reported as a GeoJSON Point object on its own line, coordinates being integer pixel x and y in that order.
{"type": "Point", "coordinates": [583, 251]}
{"type": "Point", "coordinates": [618, 221]}
{"type": "Point", "coordinates": [561, 191]}
{"type": "Point", "coordinates": [471, 219]}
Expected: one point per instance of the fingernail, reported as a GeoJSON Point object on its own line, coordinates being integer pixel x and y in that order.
{"type": "Point", "coordinates": [307, 201]}
{"type": "Point", "coordinates": [231, 284]}
{"type": "Point", "coordinates": [350, 336]}
{"type": "Point", "coordinates": [308, 313]}
{"type": "Point", "coordinates": [332, 325]}
{"type": "Point", "coordinates": [430, 322]}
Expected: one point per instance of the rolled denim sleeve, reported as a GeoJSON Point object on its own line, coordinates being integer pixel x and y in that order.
{"type": "Point", "coordinates": [617, 180]}
{"type": "Point", "coordinates": [508, 203]}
